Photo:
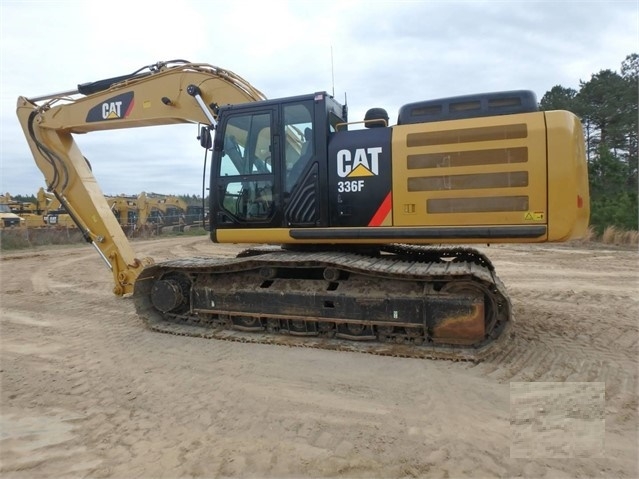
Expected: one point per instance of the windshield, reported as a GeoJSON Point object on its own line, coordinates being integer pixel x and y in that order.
{"type": "Point", "coordinates": [247, 145]}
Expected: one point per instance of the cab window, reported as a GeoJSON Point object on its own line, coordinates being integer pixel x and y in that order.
{"type": "Point", "coordinates": [246, 168]}
{"type": "Point", "coordinates": [299, 149]}
{"type": "Point", "coordinates": [247, 146]}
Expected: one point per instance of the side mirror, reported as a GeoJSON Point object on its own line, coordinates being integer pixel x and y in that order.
{"type": "Point", "coordinates": [205, 137]}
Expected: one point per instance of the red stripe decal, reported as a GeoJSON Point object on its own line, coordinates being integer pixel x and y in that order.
{"type": "Point", "coordinates": [382, 211]}
{"type": "Point", "coordinates": [128, 110]}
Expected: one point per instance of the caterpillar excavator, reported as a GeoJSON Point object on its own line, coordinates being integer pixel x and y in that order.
{"type": "Point", "coordinates": [13, 212]}
{"type": "Point", "coordinates": [160, 210]}
{"type": "Point", "coordinates": [125, 209]}
{"type": "Point", "coordinates": [139, 212]}
{"type": "Point", "coordinates": [45, 211]}
{"type": "Point", "coordinates": [9, 219]}
{"type": "Point", "coordinates": [54, 213]}
{"type": "Point", "coordinates": [359, 235]}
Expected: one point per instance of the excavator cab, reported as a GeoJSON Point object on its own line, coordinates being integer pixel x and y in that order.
{"type": "Point", "coordinates": [271, 171]}
{"type": "Point", "coordinates": [269, 163]}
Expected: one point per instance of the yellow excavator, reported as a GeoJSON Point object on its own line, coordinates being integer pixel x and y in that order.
{"type": "Point", "coordinates": [160, 210]}
{"type": "Point", "coordinates": [14, 213]}
{"type": "Point", "coordinates": [136, 213]}
{"type": "Point", "coordinates": [54, 213]}
{"type": "Point", "coordinates": [125, 209]}
{"type": "Point", "coordinates": [362, 232]}
{"type": "Point", "coordinates": [45, 211]}
{"type": "Point", "coordinates": [8, 213]}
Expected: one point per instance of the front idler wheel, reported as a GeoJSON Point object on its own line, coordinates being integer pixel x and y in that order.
{"type": "Point", "coordinates": [171, 294]}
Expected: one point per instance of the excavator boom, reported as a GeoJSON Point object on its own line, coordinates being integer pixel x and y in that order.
{"type": "Point", "coordinates": [164, 93]}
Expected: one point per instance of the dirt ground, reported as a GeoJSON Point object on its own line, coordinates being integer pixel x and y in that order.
{"type": "Point", "coordinates": [88, 391]}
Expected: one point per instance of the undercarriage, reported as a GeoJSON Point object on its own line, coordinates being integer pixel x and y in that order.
{"type": "Point", "coordinates": [399, 300]}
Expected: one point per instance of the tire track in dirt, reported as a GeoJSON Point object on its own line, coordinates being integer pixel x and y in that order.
{"type": "Point", "coordinates": [129, 402]}
{"type": "Point", "coordinates": [106, 394]}
{"type": "Point", "coordinates": [556, 338]}
{"type": "Point", "coordinates": [575, 321]}
{"type": "Point", "coordinates": [43, 281]}
{"type": "Point", "coordinates": [574, 314]}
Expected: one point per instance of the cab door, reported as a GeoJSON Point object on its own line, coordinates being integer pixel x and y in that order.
{"type": "Point", "coordinates": [301, 166]}
{"type": "Point", "coordinates": [245, 185]}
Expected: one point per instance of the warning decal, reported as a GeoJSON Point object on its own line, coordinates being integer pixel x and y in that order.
{"type": "Point", "coordinates": [534, 216]}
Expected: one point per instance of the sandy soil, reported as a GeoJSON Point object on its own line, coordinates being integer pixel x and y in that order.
{"type": "Point", "coordinates": [87, 391]}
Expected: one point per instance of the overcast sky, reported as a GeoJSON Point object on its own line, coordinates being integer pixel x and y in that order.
{"type": "Point", "coordinates": [376, 53]}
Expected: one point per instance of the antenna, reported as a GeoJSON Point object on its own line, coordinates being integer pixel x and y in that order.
{"type": "Point", "coordinates": [332, 72]}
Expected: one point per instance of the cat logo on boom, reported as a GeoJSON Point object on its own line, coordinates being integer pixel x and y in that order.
{"type": "Point", "coordinates": [115, 108]}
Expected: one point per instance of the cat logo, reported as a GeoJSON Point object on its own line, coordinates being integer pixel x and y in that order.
{"type": "Point", "coordinates": [115, 108]}
{"type": "Point", "coordinates": [111, 110]}
{"type": "Point", "coordinates": [365, 162]}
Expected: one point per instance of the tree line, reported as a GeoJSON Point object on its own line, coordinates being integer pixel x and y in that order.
{"type": "Point", "coordinates": [607, 105]}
